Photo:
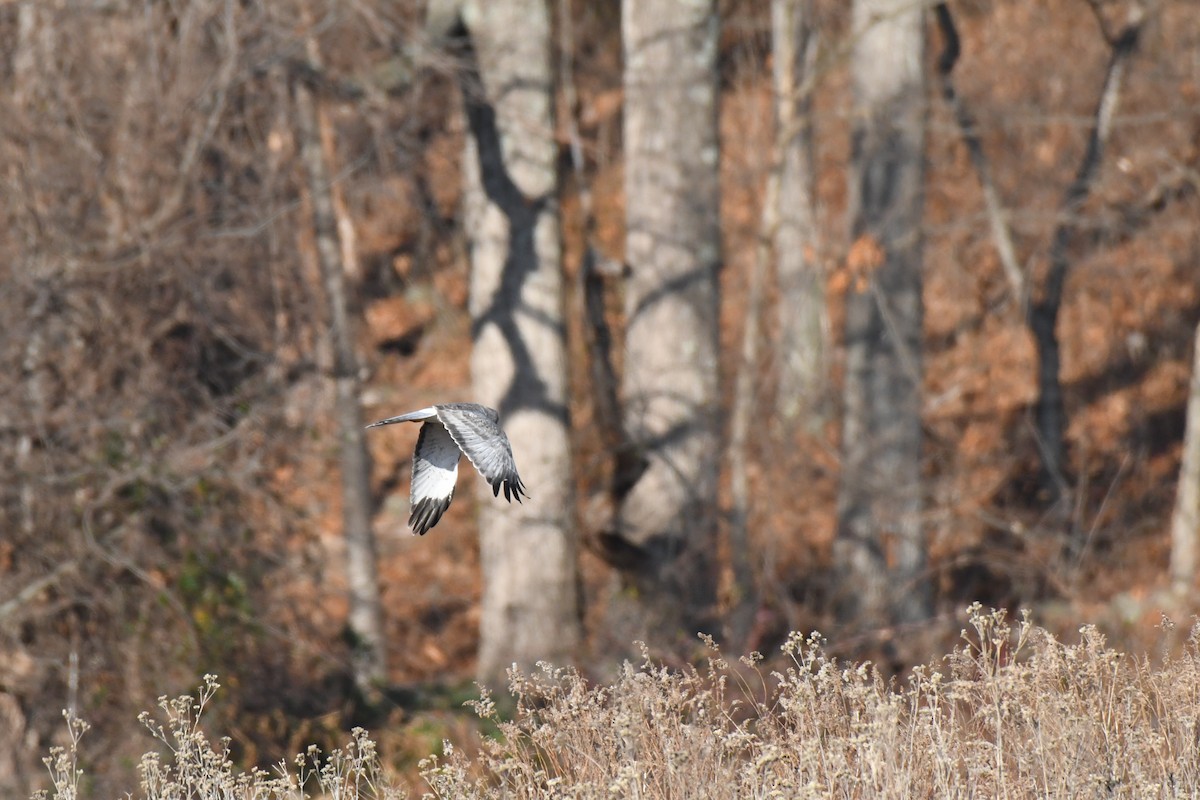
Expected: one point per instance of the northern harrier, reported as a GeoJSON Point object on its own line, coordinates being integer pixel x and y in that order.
{"type": "Point", "coordinates": [450, 430]}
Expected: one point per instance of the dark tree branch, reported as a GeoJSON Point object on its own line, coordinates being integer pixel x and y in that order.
{"type": "Point", "coordinates": [1001, 234]}
{"type": "Point", "coordinates": [1042, 312]}
{"type": "Point", "coordinates": [1049, 413]}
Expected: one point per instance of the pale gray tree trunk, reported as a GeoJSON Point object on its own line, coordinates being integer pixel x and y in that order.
{"type": "Point", "coordinates": [803, 321]}
{"type": "Point", "coordinates": [880, 551]}
{"type": "Point", "coordinates": [1185, 522]}
{"type": "Point", "coordinates": [668, 517]}
{"type": "Point", "coordinates": [26, 53]}
{"type": "Point", "coordinates": [366, 609]}
{"type": "Point", "coordinates": [518, 361]}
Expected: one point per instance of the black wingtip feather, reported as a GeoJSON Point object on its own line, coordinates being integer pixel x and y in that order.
{"type": "Point", "coordinates": [513, 489]}
{"type": "Point", "coordinates": [425, 514]}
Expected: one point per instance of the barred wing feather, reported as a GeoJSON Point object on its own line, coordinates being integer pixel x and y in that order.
{"type": "Point", "coordinates": [481, 439]}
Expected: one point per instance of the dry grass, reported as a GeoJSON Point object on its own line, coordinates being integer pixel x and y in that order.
{"type": "Point", "coordinates": [1013, 713]}
{"type": "Point", "coordinates": [197, 769]}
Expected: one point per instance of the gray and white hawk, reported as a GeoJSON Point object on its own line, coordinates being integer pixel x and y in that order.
{"type": "Point", "coordinates": [449, 431]}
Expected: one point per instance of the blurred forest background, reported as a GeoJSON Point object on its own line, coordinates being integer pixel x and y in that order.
{"type": "Point", "coordinates": [932, 310]}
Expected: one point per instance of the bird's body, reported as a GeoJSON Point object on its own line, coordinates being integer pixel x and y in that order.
{"type": "Point", "coordinates": [449, 431]}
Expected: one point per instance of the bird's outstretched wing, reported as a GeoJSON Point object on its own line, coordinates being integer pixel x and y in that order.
{"type": "Point", "coordinates": [449, 431]}
{"type": "Point", "coordinates": [412, 416]}
{"type": "Point", "coordinates": [435, 470]}
{"type": "Point", "coordinates": [477, 433]}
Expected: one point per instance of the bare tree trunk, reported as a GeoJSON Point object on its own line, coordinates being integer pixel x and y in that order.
{"type": "Point", "coordinates": [1185, 522]}
{"type": "Point", "coordinates": [803, 321]}
{"type": "Point", "coordinates": [741, 616]}
{"type": "Point", "coordinates": [627, 463]}
{"type": "Point", "coordinates": [26, 53]}
{"type": "Point", "coordinates": [35, 36]}
{"type": "Point", "coordinates": [518, 362]}
{"type": "Point", "coordinates": [880, 550]}
{"type": "Point", "coordinates": [668, 518]}
{"type": "Point", "coordinates": [366, 609]}
{"type": "Point", "coordinates": [347, 236]}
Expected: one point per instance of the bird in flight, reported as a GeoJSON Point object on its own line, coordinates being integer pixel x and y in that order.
{"type": "Point", "coordinates": [449, 431]}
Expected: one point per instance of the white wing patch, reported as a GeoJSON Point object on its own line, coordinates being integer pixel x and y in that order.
{"type": "Point", "coordinates": [435, 471]}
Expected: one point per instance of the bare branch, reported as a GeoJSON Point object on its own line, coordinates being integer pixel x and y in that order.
{"type": "Point", "coordinates": [997, 218]}
{"type": "Point", "coordinates": [1050, 415]}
